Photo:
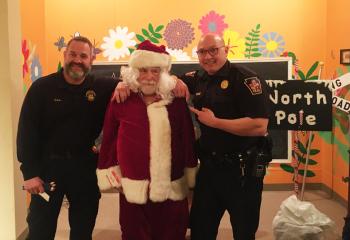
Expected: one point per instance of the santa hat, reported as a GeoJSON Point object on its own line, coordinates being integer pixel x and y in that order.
{"type": "Point", "coordinates": [148, 54]}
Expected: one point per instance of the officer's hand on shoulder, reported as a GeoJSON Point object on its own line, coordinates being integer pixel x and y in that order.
{"type": "Point", "coordinates": [180, 89]}
{"type": "Point", "coordinates": [121, 92]}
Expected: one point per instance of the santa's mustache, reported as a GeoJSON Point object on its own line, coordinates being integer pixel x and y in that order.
{"type": "Point", "coordinates": [148, 82]}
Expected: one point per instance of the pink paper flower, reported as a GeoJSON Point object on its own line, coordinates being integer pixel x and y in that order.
{"type": "Point", "coordinates": [25, 53]}
{"type": "Point", "coordinates": [212, 23]}
{"type": "Point", "coordinates": [178, 34]}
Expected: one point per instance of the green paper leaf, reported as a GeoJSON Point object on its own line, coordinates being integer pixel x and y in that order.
{"type": "Point", "coordinates": [253, 34]}
{"type": "Point", "coordinates": [301, 75]}
{"type": "Point", "coordinates": [256, 54]}
{"type": "Point", "coordinates": [301, 147]}
{"type": "Point", "coordinates": [309, 173]}
{"type": "Point", "coordinates": [314, 151]}
{"type": "Point", "coordinates": [157, 35]}
{"type": "Point", "coordinates": [150, 28]}
{"type": "Point", "coordinates": [312, 78]}
{"type": "Point", "coordinates": [294, 58]}
{"type": "Point", "coordinates": [140, 37]}
{"type": "Point", "coordinates": [311, 70]}
{"type": "Point", "coordinates": [59, 67]}
{"type": "Point", "coordinates": [145, 33]}
{"type": "Point", "coordinates": [160, 27]}
{"type": "Point", "coordinates": [312, 139]}
{"type": "Point", "coordinates": [154, 40]}
{"type": "Point", "coordinates": [131, 50]}
{"type": "Point", "coordinates": [287, 167]}
{"type": "Point", "coordinates": [303, 160]}
{"type": "Point", "coordinates": [311, 162]}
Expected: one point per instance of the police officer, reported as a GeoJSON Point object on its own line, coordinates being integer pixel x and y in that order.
{"type": "Point", "coordinates": [231, 106]}
{"type": "Point", "coordinates": [61, 116]}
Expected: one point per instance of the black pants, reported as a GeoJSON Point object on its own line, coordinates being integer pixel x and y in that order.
{"type": "Point", "coordinates": [83, 195]}
{"type": "Point", "coordinates": [218, 188]}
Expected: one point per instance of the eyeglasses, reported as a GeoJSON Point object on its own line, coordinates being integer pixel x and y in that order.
{"type": "Point", "coordinates": [212, 51]}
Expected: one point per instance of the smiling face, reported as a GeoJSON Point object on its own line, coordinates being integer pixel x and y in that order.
{"type": "Point", "coordinates": [212, 53]}
{"type": "Point", "coordinates": [77, 61]}
{"type": "Point", "coordinates": [149, 79]}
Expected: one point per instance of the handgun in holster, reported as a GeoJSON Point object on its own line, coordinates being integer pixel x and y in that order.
{"type": "Point", "coordinates": [263, 157]}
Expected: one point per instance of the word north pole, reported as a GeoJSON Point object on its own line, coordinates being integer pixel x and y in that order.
{"type": "Point", "coordinates": [300, 105]}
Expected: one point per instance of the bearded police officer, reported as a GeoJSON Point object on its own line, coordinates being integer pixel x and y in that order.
{"type": "Point", "coordinates": [61, 116]}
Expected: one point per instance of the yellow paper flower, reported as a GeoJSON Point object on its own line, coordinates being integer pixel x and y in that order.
{"type": "Point", "coordinates": [236, 44]}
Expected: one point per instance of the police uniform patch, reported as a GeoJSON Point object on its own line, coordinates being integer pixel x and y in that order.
{"type": "Point", "coordinates": [90, 95]}
{"type": "Point", "coordinates": [254, 85]}
{"type": "Point", "coordinates": [224, 84]}
{"type": "Point", "coordinates": [190, 74]}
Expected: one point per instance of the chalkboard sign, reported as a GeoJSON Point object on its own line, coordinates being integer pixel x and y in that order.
{"type": "Point", "coordinates": [267, 69]}
{"type": "Point", "coordinates": [300, 105]}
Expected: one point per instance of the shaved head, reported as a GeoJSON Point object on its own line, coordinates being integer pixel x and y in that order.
{"type": "Point", "coordinates": [211, 37]}
{"type": "Point", "coordinates": [212, 53]}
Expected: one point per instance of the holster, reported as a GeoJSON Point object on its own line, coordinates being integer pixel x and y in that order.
{"type": "Point", "coordinates": [263, 157]}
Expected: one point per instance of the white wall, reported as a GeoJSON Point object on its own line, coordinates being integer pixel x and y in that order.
{"type": "Point", "coordinates": [13, 199]}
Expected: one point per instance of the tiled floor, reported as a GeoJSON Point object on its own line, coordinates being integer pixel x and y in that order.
{"type": "Point", "coordinates": [107, 226]}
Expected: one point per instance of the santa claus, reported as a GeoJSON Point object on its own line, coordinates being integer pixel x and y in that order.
{"type": "Point", "coordinates": [147, 150]}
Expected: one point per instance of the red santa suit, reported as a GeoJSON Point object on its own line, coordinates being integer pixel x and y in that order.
{"type": "Point", "coordinates": [148, 151]}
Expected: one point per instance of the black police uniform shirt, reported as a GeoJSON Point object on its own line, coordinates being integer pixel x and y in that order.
{"type": "Point", "coordinates": [59, 121]}
{"type": "Point", "coordinates": [233, 92]}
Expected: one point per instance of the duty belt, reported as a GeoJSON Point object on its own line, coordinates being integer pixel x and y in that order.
{"type": "Point", "coordinates": [221, 158]}
{"type": "Point", "coordinates": [240, 162]}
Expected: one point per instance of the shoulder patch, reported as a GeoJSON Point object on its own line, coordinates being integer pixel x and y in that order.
{"type": "Point", "coordinates": [254, 85]}
{"type": "Point", "coordinates": [190, 74]}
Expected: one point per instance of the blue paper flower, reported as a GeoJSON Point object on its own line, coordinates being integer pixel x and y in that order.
{"type": "Point", "coordinates": [35, 69]}
{"type": "Point", "coordinates": [271, 44]}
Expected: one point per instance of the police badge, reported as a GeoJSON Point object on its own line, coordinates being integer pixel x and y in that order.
{"type": "Point", "coordinates": [224, 84]}
{"type": "Point", "coordinates": [90, 95]}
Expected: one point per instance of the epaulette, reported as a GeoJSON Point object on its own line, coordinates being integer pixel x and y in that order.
{"type": "Point", "coordinates": [190, 74]}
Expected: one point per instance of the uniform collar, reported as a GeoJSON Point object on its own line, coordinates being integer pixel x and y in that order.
{"type": "Point", "coordinates": [63, 84]}
{"type": "Point", "coordinates": [223, 71]}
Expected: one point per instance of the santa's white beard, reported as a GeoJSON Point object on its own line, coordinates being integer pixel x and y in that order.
{"type": "Point", "coordinates": [148, 87]}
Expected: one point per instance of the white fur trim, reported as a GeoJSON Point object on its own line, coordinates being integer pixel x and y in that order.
{"type": "Point", "coordinates": [190, 174]}
{"type": "Point", "coordinates": [160, 151]}
{"type": "Point", "coordinates": [103, 180]}
{"type": "Point", "coordinates": [179, 189]}
{"type": "Point", "coordinates": [145, 59]}
{"type": "Point", "coordinates": [135, 191]}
